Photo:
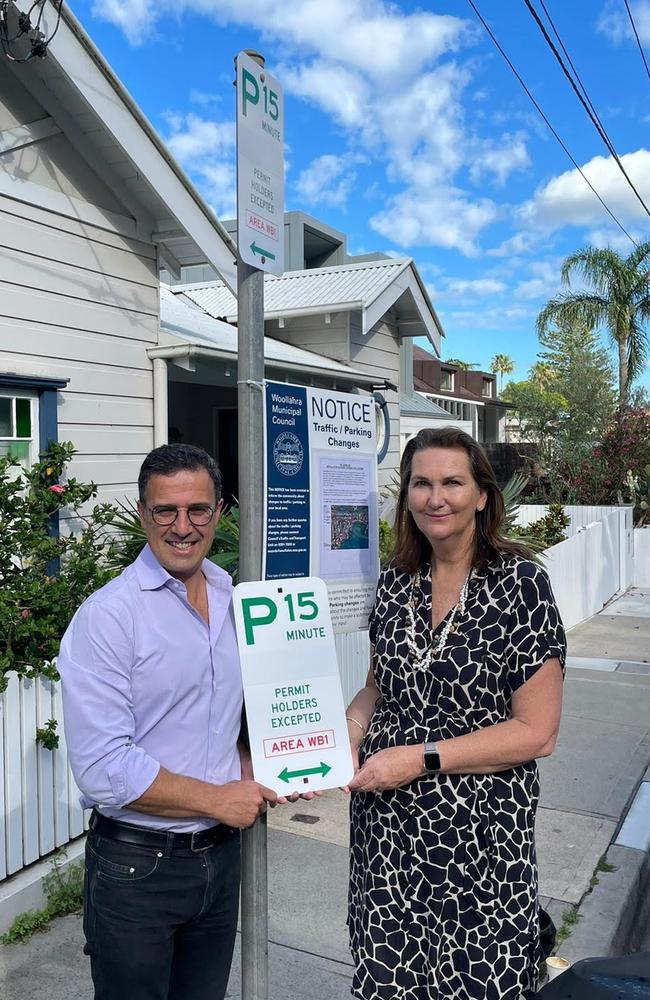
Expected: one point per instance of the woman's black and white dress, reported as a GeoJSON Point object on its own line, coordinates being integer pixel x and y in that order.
{"type": "Point", "coordinates": [443, 888]}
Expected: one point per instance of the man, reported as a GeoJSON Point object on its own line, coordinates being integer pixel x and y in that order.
{"type": "Point", "coordinates": [152, 700]}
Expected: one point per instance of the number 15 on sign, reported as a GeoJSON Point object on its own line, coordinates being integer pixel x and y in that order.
{"type": "Point", "coordinates": [294, 704]}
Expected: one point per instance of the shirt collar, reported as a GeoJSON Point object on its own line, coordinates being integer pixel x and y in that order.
{"type": "Point", "coordinates": [151, 575]}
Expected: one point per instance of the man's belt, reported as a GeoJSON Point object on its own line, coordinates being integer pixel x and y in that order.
{"type": "Point", "coordinates": [145, 836]}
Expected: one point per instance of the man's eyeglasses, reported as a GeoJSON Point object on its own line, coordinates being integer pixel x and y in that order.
{"type": "Point", "coordinates": [199, 514]}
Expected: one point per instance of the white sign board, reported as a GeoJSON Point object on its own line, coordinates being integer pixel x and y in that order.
{"type": "Point", "coordinates": [321, 510]}
{"type": "Point", "coordinates": [260, 167]}
{"type": "Point", "coordinates": [294, 704]}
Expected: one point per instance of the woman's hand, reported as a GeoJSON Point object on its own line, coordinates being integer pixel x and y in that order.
{"type": "Point", "coordinates": [388, 769]}
{"type": "Point", "coordinates": [354, 750]}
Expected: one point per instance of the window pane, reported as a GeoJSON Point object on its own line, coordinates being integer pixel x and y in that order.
{"type": "Point", "coordinates": [23, 418]}
{"type": "Point", "coordinates": [5, 417]}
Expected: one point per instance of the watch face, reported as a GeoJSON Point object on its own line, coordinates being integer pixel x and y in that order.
{"type": "Point", "coordinates": [431, 759]}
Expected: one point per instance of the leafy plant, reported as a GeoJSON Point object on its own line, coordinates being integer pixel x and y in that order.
{"type": "Point", "coordinates": [47, 735]}
{"type": "Point", "coordinates": [386, 542]}
{"type": "Point", "coordinates": [45, 573]}
{"type": "Point", "coordinates": [549, 529]}
{"type": "Point", "coordinates": [63, 889]}
{"type": "Point", "coordinates": [130, 538]}
{"type": "Point", "coordinates": [638, 491]}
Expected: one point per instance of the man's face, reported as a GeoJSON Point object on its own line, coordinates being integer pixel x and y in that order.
{"type": "Point", "coordinates": [181, 547]}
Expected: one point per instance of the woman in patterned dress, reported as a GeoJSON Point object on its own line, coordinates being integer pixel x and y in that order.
{"type": "Point", "coordinates": [467, 661]}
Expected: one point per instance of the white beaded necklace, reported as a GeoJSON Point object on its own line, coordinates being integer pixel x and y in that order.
{"type": "Point", "coordinates": [422, 659]}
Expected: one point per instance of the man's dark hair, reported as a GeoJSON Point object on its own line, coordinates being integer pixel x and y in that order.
{"type": "Point", "coordinates": [171, 458]}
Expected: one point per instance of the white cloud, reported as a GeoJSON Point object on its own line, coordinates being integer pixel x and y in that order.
{"type": "Point", "coordinates": [615, 23]}
{"type": "Point", "coordinates": [336, 90]}
{"type": "Point", "coordinates": [444, 218]}
{"type": "Point", "coordinates": [205, 148]}
{"type": "Point", "coordinates": [612, 238]}
{"type": "Point", "coordinates": [327, 180]}
{"type": "Point", "coordinates": [500, 159]}
{"type": "Point", "coordinates": [567, 200]}
{"type": "Point", "coordinates": [544, 281]}
{"type": "Point", "coordinates": [463, 288]}
{"type": "Point", "coordinates": [517, 244]}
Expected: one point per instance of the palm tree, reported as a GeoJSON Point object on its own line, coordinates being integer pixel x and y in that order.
{"type": "Point", "coordinates": [619, 299]}
{"type": "Point", "coordinates": [503, 364]}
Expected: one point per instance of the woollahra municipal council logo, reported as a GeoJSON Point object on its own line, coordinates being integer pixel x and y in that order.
{"type": "Point", "coordinates": [288, 453]}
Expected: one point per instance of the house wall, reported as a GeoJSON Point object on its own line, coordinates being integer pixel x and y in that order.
{"type": "Point", "coordinates": [312, 333]}
{"type": "Point", "coordinates": [80, 297]}
{"type": "Point", "coordinates": [378, 353]}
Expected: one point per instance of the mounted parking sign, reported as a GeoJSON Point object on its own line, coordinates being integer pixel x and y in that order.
{"type": "Point", "coordinates": [260, 167]}
{"type": "Point", "coordinates": [294, 703]}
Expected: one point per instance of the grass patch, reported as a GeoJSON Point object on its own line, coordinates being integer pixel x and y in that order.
{"type": "Point", "coordinates": [570, 918]}
{"type": "Point", "coordinates": [63, 889]}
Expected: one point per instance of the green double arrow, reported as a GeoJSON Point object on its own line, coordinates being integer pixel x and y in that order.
{"type": "Point", "coordinates": [263, 253]}
{"type": "Point", "coordinates": [287, 775]}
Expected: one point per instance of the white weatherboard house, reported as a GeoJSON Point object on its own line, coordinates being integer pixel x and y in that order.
{"type": "Point", "coordinates": [94, 350]}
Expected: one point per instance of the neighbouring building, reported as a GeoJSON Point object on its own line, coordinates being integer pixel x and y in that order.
{"type": "Point", "coordinates": [469, 396]}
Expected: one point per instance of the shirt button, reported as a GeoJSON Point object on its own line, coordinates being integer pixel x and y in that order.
{"type": "Point", "coordinates": [216, 732]}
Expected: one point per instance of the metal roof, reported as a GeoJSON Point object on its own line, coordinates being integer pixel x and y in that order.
{"type": "Point", "coordinates": [412, 404]}
{"type": "Point", "coordinates": [373, 287]}
{"type": "Point", "coordinates": [183, 324]}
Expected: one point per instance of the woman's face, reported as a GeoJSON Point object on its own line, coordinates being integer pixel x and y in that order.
{"type": "Point", "coordinates": [443, 496]}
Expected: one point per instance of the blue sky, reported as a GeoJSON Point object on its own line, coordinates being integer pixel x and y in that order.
{"type": "Point", "coordinates": [406, 129]}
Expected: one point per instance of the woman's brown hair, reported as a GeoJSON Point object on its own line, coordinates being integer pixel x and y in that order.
{"type": "Point", "coordinates": [412, 550]}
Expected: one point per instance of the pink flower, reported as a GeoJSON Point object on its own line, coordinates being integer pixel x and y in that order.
{"type": "Point", "coordinates": [56, 489]}
{"type": "Point", "coordinates": [24, 613]}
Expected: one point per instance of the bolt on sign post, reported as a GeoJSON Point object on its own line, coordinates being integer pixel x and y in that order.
{"type": "Point", "coordinates": [294, 703]}
{"type": "Point", "coordinates": [260, 236]}
{"type": "Point", "coordinates": [260, 166]}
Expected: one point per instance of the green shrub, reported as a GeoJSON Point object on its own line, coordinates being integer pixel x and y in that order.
{"type": "Point", "coordinates": [63, 890]}
{"type": "Point", "coordinates": [45, 575]}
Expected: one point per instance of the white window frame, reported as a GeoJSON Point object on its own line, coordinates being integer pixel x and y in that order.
{"type": "Point", "coordinates": [451, 375]}
{"type": "Point", "coordinates": [34, 442]}
{"type": "Point", "coordinates": [488, 383]}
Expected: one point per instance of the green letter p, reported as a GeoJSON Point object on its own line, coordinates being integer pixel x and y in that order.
{"type": "Point", "coordinates": [250, 90]}
{"type": "Point", "coordinates": [247, 605]}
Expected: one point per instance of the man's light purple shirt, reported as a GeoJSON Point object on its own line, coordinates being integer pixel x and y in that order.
{"type": "Point", "coordinates": [147, 682]}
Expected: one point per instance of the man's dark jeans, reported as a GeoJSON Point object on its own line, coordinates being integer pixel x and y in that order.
{"type": "Point", "coordinates": [160, 925]}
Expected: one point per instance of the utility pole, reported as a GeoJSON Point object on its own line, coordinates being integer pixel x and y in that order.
{"type": "Point", "coordinates": [250, 398]}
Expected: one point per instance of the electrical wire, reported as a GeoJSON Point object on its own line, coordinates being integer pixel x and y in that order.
{"type": "Point", "coordinates": [39, 47]}
{"type": "Point", "coordinates": [547, 122]}
{"type": "Point", "coordinates": [592, 115]}
{"type": "Point", "coordinates": [636, 35]}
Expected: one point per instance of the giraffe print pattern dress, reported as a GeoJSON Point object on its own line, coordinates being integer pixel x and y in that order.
{"type": "Point", "coordinates": [443, 876]}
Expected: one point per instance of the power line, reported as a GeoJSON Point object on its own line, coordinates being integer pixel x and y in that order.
{"type": "Point", "coordinates": [636, 35]}
{"type": "Point", "coordinates": [593, 116]}
{"type": "Point", "coordinates": [548, 124]}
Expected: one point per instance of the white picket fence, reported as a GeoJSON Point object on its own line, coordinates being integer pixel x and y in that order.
{"type": "Point", "coordinates": [39, 807]}
{"type": "Point", "coordinates": [38, 796]}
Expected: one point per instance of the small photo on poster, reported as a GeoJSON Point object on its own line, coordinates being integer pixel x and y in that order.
{"type": "Point", "coordinates": [349, 525]}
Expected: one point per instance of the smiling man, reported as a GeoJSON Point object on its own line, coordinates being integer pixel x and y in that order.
{"type": "Point", "coordinates": [152, 699]}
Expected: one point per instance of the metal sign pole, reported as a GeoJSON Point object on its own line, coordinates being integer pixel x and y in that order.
{"type": "Point", "coordinates": [250, 378]}
{"type": "Point", "coordinates": [250, 375]}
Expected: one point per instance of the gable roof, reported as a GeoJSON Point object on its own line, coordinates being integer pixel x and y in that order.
{"type": "Point", "coordinates": [372, 287]}
{"type": "Point", "coordinates": [185, 326]}
{"type": "Point", "coordinates": [78, 88]}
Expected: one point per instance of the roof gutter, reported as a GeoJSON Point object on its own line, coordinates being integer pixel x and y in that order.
{"type": "Point", "coordinates": [187, 352]}
{"type": "Point", "coordinates": [278, 314]}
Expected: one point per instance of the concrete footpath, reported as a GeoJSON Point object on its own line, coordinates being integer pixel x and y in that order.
{"type": "Point", "coordinates": [594, 802]}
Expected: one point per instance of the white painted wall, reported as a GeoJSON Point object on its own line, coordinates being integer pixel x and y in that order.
{"type": "Point", "coordinates": [80, 297]}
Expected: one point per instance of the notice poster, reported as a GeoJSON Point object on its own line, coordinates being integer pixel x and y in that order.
{"type": "Point", "coordinates": [321, 516]}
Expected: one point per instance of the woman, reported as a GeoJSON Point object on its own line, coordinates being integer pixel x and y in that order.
{"type": "Point", "coordinates": [464, 692]}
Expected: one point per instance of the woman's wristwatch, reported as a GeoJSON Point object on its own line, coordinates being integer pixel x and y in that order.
{"type": "Point", "coordinates": [430, 759]}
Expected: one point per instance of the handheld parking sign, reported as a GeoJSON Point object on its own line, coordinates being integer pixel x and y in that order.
{"type": "Point", "coordinates": [294, 703]}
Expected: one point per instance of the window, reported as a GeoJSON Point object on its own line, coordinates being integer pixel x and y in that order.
{"type": "Point", "coordinates": [19, 426]}
{"type": "Point", "coordinates": [486, 388]}
{"type": "Point", "coordinates": [446, 379]}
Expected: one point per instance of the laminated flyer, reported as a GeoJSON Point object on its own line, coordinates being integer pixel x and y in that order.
{"type": "Point", "coordinates": [321, 511]}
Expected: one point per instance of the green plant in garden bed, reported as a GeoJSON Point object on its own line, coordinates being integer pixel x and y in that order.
{"type": "Point", "coordinates": [63, 890]}
{"type": "Point", "coordinates": [44, 574]}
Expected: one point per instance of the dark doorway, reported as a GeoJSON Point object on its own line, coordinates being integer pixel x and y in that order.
{"type": "Point", "coordinates": [224, 422]}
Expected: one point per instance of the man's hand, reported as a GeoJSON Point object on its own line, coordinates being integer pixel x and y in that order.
{"type": "Point", "coordinates": [388, 769]}
{"type": "Point", "coordinates": [239, 803]}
